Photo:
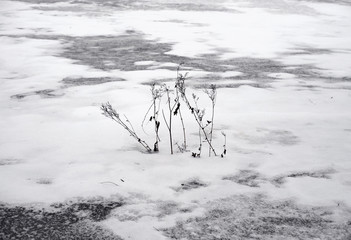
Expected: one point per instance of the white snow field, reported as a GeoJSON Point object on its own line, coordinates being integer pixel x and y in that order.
{"type": "Point", "coordinates": [283, 73]}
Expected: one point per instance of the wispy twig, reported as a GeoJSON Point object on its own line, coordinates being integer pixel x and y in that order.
{"type": "Point", "coordinates": [110, 112]}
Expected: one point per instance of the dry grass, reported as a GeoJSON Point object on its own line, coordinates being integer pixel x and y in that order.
{"type": "Point", "coordinates": [244, 217]}
{"type": "Point", "coordinates": [190, 184]}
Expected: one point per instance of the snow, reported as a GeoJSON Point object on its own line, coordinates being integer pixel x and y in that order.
{"type": "Point", "coordinates": [54, 148]}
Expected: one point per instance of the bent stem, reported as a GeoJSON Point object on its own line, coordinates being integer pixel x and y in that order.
{"type": "Point", "coordinates": [195, 112]}
{"type": "Point", "coordinates": [110, 112]}
{"type": "Point", "coordinates": [180, 86]}
{"type": "Point", "coordinates": [197, 115]}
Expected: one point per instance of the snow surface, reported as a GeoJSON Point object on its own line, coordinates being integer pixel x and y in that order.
{"type": "Point", "coordinates": [293, 125]}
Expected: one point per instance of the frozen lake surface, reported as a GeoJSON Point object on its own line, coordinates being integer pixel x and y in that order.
{"type": "Point", "coordinates": [283, 74]}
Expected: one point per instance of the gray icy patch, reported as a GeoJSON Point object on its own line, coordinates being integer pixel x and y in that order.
{"type": "Point", "coordinates": [281, 179]}
{"type": "Point", "coordinates": [10, 161]}
{"type": "Point", "coordinates": [256, 217]}
{"type": "Point", "coordinates": [79, 81]}
{"type": "Point", "coordinates": [267, 136]}
{"type": "Point", "coordinates": [45, 93]}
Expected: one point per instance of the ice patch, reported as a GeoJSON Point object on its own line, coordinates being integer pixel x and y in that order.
{"type": "Point", "coordinates": [281, 75]}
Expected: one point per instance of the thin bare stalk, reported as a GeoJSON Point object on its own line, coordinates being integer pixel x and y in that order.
{"type": "Point", "coordinates": [195, 113]}
{"type": "Point", "coordinates": [110, 112]}
{"type": "Point", "coordinates": [130, 124]}
{"type": "Point", "coordinates": [224, 145]}
{"type": "Point", "coordinates": [180, 85]}
{"type": "Point", "coordinates": [145, 116]}
{"type": "Point", "coordinates": [212, 94]}
{"type": "Point", "coordinates": [200, 146]}
{"type": "Point", "coordinates": [156, 96]}
{"type": "Point", "coordinates": [211, 131]}
{"type": "Point", "coordinates": [178, 110]}
{"type": "Point", "coordinates": [170, 120]}
{"type": "Point", "coordinates": [157, 125]}
{"type": "Point", "coordinates": [184, 133]}
{"type": "Point", "coordinates": [173, 110]}
{"type": "Point", "coordinates": [200, 142]}
{"type": "Point", "coordinates": [169, 131]}
{"type": "Point", "coordinates": [197, 119]}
